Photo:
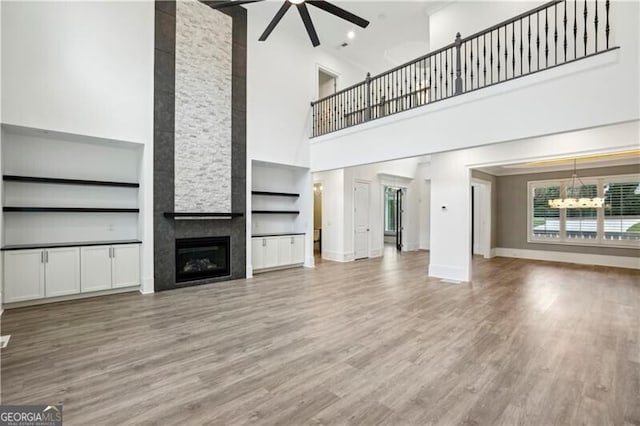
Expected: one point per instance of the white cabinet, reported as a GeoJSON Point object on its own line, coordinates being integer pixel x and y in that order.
{"type": "Point", "coordinates": [277, 251]}
{"type": "Point", "coordinates": [106, 267]}
{"type": "Point", "coordinates": [96, 268]}
{"type": "Point", "coordinates": [125, 266]}
{"type": "Point", "coordinates": [34, 274]}
{"type": "Point", "coordinates": [23, 275]}
{"type": "Point", "coordinates": [62, 271]}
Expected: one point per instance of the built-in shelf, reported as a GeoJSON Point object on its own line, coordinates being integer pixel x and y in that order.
{"type": "Point", "coordinates": [68, 210]}
{"type": "Point", "coordinates": [75, 244]}
{"type": "Point", "coordinates": [276, 194]}
{"type": "Point", "coordinates": [183, 215]}
{"type": "Point", "coordinates": [280, 234]}
{"type": "Point", "coordinates": [33, 179]}
{"type": "Point", "coordinates": [275, 212]}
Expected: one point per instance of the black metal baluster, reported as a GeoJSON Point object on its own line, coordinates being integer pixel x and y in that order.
{"type": "Point", "coordinates": [478, 61]}
{"type": "Point", "coordinates": [529, 43]}
{"type": "Point", "coordinates": [546, 38]}
{"type": "Point", "coordinates": [471, 62]}
{"type": "Point", "coordinates": [575, 29]}
{"type": "Point", "coordinates": [484, 57]}
{"type": "Point", "coordinates": [513, 49]}
{"type": "Point", "coordinates": [606, 30]}
{"type": "Point", "coordinates": [595, 22]}
{"type": "Point", "coordinates": [491, 59]}
{"type": "Point", "coordinates": [521, 48]}
{"type": "Point", "coordinates": [565, 30]}
{"type": "Point", "coordinates": [506, 54]}
{"type": "Point", "coordinates": [498, 35]}
{"type": "Point", "coordinates": [446, 73]}
{"type": "Point", "coordinates": [585, 28]}
{"type": "Point", "coordinates": [538, 40]}
{"type": "Point", "coordinates": [555, 33]}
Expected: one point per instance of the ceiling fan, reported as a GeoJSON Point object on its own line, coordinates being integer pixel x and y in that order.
{"type": "Point", "coordinates": [304, 14]}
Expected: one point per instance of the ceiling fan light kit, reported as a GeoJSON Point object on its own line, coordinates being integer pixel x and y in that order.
{"type": "Point", "coordinates": [301, 5]}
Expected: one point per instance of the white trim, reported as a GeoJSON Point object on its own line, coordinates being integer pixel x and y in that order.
{"type": "Point", "coordinates": [328, 71]}
{"type": "Point", "coordinates": [353, 215]}
{"type": "Point", "coordinates": [147, 286]}
{"type": "Point", "coordinates": [448, 272]}
{"type": "Point", "coordinates": [486, 188]}
{"type": "Point", "coordinates": [398, 181]}
{"type": "Point", "coordinates": [566, 257]}
{"type": "Point", "coordinates": [335, 256]}
{"type": "Point", "coordinates": [78, 296]}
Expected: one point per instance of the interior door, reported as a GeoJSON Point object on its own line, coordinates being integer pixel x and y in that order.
{"type": "Point", "coordinates": [399, 219]}
{"type": "Point", "coordinates": [361, 220]}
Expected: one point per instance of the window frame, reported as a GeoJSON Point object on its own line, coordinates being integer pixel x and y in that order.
{"type": "Point", "coordinates": [562, 239]}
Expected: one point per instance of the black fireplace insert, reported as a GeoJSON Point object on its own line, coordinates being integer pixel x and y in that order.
{"type": "Point", "coordinates": [201, 258]}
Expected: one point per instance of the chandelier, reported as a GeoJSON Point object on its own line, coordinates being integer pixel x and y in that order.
{"type": "Point", "coordinates": [573, 199]}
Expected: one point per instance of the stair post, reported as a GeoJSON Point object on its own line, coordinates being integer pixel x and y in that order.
{"type": "Point", "coordinates": [458, 83]}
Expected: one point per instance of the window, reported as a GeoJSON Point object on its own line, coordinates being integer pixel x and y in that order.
{"type": "Point", "coordinates": [389, 210]}
{"type": "Point", "coordinates": [616, 223]}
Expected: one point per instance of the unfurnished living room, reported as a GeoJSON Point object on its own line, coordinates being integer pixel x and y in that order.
{"type": "Point", "coordinates": [320, 212]}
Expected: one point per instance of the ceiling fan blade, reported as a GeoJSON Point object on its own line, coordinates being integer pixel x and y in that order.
{"type": "Point", "coordinates": [304, 14]}
{"type": "Point", "coordinates": [339, 12]}
{"type": "Point", "coordinates": [218, 4]}
{"type": "Point", "coordinates": [285, 6]}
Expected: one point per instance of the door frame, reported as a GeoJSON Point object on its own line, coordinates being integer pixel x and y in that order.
{"type": "Point", "coordinates": [326, 70]}
{"type": "Point", "coordinates": [322, 216]}
{"type": "Point", "coordinates": [482, 195]}
{"type": "Point", "coordinates": [353, 216]}
{"type": "Point", "coordinates": [398, 182]}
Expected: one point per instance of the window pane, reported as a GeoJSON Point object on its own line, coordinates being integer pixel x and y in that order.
{"type": "Point", "coordinates": [582, 224]}
{"type": "Point", "coordinates": [389, 209]}
{"type": "Point", "coordinates": [622, 211]}
{"type": "Point", "coordinates": [546, 221]}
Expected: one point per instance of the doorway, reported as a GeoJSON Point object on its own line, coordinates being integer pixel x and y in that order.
{"type": "Point", "coordinates": [481, 218]}
{"type": "Point", "coordinates": [317, 218]}
{"type": "Point", "coordinates": [393, 212]}
{"type": "Point", "coordinates": [361, 219]}
{"type": "Point", "coordinates": [327, 83]}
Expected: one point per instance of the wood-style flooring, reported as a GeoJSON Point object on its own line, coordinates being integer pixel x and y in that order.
{"type": "Point", "coordinates": [367, 342]}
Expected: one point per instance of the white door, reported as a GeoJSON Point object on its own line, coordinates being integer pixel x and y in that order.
{"type": "Point", "coordinates": [125, 265]}
{"type": "Point", "coordinates": [23, 275]}
{"type": "Point", "coordinates": [285, 244]}
{"type": "Point", "coordinates": [361, 219]}
{"type": "Point", "coordinates": [271, 252]}
{"type": "Point", "coordinates": [62, 271]}
{"type": "Point", "coordinates": [95, 268]}
{"type": "Point", "coordinates": [257, 253]}
{"type": "Point", "coordinates": [297, 249]}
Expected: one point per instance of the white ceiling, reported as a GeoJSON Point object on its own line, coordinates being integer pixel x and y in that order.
{"type": "Point", "coordinates": [398, 31]}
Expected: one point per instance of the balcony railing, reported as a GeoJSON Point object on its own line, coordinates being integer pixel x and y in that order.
{"type": "Point", "coordinates": [556, 33]}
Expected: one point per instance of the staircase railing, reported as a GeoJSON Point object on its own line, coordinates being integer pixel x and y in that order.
{"type": "Point", "coordinates": [556, 33]}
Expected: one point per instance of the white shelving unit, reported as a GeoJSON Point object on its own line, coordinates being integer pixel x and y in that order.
{"type": "Point", "coordinates": [61, 194]}
{"type": "Point", "coordinates": [280, 207]}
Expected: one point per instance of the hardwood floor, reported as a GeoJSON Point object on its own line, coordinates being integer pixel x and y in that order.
{"type": "Point", "coordinates": [367, 342]}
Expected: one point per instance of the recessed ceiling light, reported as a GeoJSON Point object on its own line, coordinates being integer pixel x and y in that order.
{"type": "Point", "coordinates": [351, 34]}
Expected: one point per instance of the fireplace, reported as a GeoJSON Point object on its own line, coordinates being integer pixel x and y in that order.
{"type": "Point", "coordinates": [201, 258]}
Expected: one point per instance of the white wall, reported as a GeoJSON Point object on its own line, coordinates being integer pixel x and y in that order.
{"type": "Point", "coordinates": [592, 92]}
{"type": "Point", "coordinates": [451, 178]}
{"type": "Point", "coordinates": [85, 68]}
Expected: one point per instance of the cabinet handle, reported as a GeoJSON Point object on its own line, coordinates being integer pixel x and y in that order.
{"type": "Point", "coordinates": [42, 256]}
{"type": "Point", "coordinates": [291, 240]}
{"type": "Point", "coordinates": [113, 252]}
{"type": "Point", "coordinates": [46, 256]}
{"type": "Point", "coordinates": [264, 242]}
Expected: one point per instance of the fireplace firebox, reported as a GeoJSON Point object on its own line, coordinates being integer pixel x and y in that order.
{"type": "Point", "coordinates": [202, 258]}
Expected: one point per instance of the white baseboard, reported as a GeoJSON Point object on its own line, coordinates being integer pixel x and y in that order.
{"type": "Point", "coordinates": [249, 272]}
{"type": "Point", "coordinates": [147, 286]}
{"type": "Point", "coordinates": [337, 256]}
{"type": "Point", "coordinates": [413, 247]}
{"type": "Point", "coordinates": [566, 257]}
{"type": "Point", "coordinates": [492, 253]}
{"type": "Point", "coordinates": [448, 272]}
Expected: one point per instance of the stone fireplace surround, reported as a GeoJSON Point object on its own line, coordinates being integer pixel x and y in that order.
{"type": "Point", "coordinates": [167, 230]}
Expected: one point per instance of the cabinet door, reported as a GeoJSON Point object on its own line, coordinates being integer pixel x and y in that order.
{"type": "Point", "coordinates": [62, 271]}
{"type": "Point", "coordinates": [271, 252]}
{"type": "Point", "coordinates": [297, 249]}
{"type": "Point", "coordinates": [284, 250]}
{"type": "Point", "coordinates": [23, 275]}
{"type": "Point", "coordinates": [95, 268]}
{"type": "Point", "coordinates": [257, 253]}
{"type": "Point", "coordinates": [125, 266]}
